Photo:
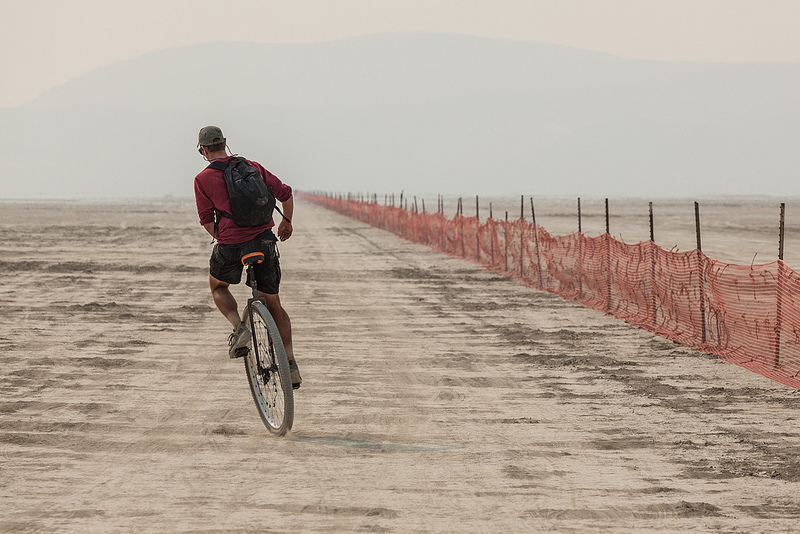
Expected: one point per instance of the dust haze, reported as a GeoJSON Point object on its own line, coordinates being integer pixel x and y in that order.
{"type": "Point", "coordinates": [424, 113]}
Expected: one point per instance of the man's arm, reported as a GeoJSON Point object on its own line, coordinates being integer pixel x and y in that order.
{"type": "Point", "coordinates": [210, 228]}
{"type": "Point", "coordinates": [285, 228]}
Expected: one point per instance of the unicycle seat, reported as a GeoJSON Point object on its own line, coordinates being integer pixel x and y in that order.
{"type": "Point", "coordinates": [252, 257]}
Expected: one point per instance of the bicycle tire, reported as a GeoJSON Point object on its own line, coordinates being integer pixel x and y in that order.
{"type": "Point", "coordinates": [268, 372]}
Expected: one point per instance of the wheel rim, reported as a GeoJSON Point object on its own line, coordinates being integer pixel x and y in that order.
{"type": "Point", "coordinates": [264, 375]}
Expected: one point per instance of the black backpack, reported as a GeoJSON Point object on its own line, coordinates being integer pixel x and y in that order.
{"type": "Point", "coordinates": [252, 202]}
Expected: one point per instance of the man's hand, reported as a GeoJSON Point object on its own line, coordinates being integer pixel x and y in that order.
{"type": "Point", "coordinates": [211, 228]}
{"type": "Point", "coordinates": [284, 230]}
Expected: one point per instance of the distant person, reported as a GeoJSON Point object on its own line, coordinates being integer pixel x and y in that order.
{"type": "Point", "coordinates": [225, 266]}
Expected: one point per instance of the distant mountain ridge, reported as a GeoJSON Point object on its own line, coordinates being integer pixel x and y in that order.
{"type": "Point", "coordinates": [421, 112]}
{"type": "Point", "coordinates": [380, 68]}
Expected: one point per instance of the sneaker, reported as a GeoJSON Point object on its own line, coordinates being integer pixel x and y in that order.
{"type": "Point", "coordinates": [238, 341]}
{"type": "Point", "coordinates": [295, 372]}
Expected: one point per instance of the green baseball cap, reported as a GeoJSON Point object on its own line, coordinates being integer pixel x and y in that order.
{"type": "Point", "coordinates": [210, 135]}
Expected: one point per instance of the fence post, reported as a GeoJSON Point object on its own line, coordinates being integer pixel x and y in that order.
{"type": "Point", "coordinates": [697, 225]}
{"type": "Point", "coordinates": [700, 277]}
{"type": "Point", "coordinates": [779, 292]}
{"type": "Point", "coordinates": [580, 253]}
{"type": "Point", "coordinates": [461, 225]}
{"type": "Point", "coordinates": [536, 244]}
{"type": "Point", "coordinates": [491, 233]}
{"type": "Point", "coordinates": [781, 232]}
{"type": "Point", "coordinates": [608, 260]}
{"type": "Point", "coordinates": [421, 220]}
{"type": "Point", "coordinates": [521, 235]}
{"type": "Point", "coordinates": [477, 232]}
{"type": "Point", "coordinates": [439, 219]}
{"type": "Point", "coordinates": [653, 261]}
{"type": "Point", "coordinates": [442, 221]}
{"type": "Point", "coordinates": [506, 242]}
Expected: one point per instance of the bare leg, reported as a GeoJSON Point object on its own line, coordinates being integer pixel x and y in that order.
{"type": "Point", "coordinates": [282, 321]}
{"type": "Point", "coordinates": [225, 301]}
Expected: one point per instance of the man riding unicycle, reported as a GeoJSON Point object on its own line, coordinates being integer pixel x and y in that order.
{"type": "Point", "coordinates": [235, 198]}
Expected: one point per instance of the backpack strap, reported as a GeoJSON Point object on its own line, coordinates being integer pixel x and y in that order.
{"type": "Point", "coordinates": [220, 166]}
{"type": "Point", "coordinates": [285, 218]}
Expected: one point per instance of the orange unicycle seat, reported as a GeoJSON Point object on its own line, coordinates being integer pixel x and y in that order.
{"type": "Point", "coordinates": [252, 257]}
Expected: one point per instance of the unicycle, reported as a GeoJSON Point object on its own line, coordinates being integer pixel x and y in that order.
{"type": "Point", "coordinates": [265, 360]}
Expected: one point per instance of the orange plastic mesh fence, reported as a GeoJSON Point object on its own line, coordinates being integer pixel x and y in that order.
{"type": "Point", "coordinates": [748, 315]}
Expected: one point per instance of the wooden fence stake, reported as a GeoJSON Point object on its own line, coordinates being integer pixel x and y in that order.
{"type": "Point", "coordinates": [700, 274]}
{"type": "Point", "coordinates": [654, 260]}
{"type": "Point", "coordinates": [536, 244]}
{"type": "Point", "coordinates": [779, 291]}
{"type": "Point", "coordinates": [521, 235]}
{"type": "Point", "coordinates": [608, 260]}
{"type": "Point", "coordinates": [506, 242]}
{"type": "Point", "coordinates": [477, 233]}
{"type": "Point", "coordinates": [781, 231]}
{"type": "Point", "coordinates": [580, 252]}
{"type": "Point", "coordinates": [491, 235]}
{"type": "Point", "coordinates": [461, 225]}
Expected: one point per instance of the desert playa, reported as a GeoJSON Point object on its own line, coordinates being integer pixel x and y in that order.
{"type": "Point", "coordinates": [437, 396]}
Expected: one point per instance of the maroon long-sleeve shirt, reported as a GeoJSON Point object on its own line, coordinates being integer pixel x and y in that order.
{"type": "Point", "coordinates": [210, 193]}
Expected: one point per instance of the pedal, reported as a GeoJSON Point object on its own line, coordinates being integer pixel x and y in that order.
{"type": "Point", "coordinates": [241, 352]}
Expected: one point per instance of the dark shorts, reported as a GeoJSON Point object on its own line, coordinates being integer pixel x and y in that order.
{"type": "Point", "coordinates": [226, 262]}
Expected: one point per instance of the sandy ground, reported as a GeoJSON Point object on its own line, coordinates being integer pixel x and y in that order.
{"type": "Point", "coordinates": [437, 396]}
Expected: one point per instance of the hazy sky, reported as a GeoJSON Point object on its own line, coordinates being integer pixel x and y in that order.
{"type": "Point", "coordinates": [44, 43]}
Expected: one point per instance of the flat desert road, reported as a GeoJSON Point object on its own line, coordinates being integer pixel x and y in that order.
{"type": "Point", "coordinates": [437, 396]}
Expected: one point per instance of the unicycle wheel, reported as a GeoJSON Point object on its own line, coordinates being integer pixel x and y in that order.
{"type": "Point", "coordinates": [268, 372]}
